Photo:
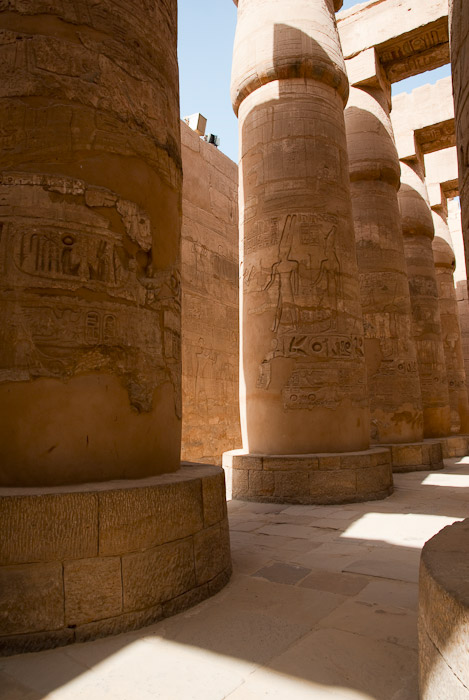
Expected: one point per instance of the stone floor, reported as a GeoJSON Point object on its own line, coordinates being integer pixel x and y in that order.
{"type": "Point", "coordinates": [322, 604]}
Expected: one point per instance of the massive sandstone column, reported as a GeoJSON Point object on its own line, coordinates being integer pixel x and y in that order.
{"type": "Point", "coordinates": [459, 43]}
{"type": "Point", "coordinates": [450, 327]}
{"type": "Point", "coordinates": [302, 375]}
{"type": "Point", "coordinates": [90, 208]}
{"type": "Point", "coordinates": [418, 230]}
{"type": "Point", "coordinates": [393, 379]}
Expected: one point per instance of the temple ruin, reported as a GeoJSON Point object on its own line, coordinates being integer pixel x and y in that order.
{"type": "Point", "coordinates": [177, 328]}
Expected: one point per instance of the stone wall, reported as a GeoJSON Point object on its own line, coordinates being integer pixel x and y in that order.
{"type": "Point", "coordinates": [210, 301]}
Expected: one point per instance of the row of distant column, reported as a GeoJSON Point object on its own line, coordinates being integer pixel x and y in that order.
{"type": "Point", "coordinates": [346, 293]}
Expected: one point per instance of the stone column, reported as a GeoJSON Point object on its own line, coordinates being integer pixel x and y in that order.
{"type": "Point", "coordinates": [90, 209]}
{"type": "Point", "coordinates": [418, 230]}
{"type": "Point", "coordinates": [460, 276]}
{"type": "Point", "coordinates": [393, 379]}
{"type": "Point", "coordinates": [303, 375]}
{"type": "Point", "coordinates": [459, 43]}
{"type": "Point", "coordinates": [451, 332]}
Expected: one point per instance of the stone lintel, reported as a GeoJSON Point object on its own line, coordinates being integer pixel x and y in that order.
{"type": "Point", "coordinates": [416, 456]}
{"type": "Point", "coordinates": [159, 545]}
{"type": "Point", "coordinates": [441, 174]}
{"type": "Point", "coordinates": [423, 120]}
{"type": "Point", "coordinates": [364, 70]}
{"type": "Point", "coordinates": [409, 37]}
{"type": "Point", "coordinates": [324, 478]}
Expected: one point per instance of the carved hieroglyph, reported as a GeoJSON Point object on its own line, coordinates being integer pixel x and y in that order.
{"type": "Point", "coordinates": [393, 380]}
{"type": "Point", "coordinates": [90, 180]}
{"type": "Point", "coordinates": [459, 41]}
{"type": "Point", "coordinates": [450, 327]}
{"type": "Point", "coordinates": [418, 230]}
{"type": "Point", "coordinates": [303, 376]}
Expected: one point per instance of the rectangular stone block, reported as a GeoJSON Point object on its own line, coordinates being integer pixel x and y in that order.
{"type": "Point", "coordinates": [93, 589]}
{"type": "Point", "coordinates": [290, 484]}
{"type": "Point", "coordinates": [48, 527]}
{"type": "Point", "coordinates": [116, 625]}
{"type": "Point", "coordinates": [406, 455]}
{"type": "Point", "coordinates": [334, 484]}
{"type": "Point", "coordinates": [134, 519]}
{"type": "Point", "coordinates": [284, 464]}
{"type": "Point", "coordinates": [158, 574]}
{"type": "Point", "coordinates": [355, 460]}
{"type": "Point", "coordinates": [327, 462]}
{"type": "Point", "coordinates": [31, 598]}
{"type": "Point", "coordinates": [374, 479]}
{"type": "Point", "coordinates": [214, 499]}
{"type": "Point", "coordinates": [212, 553]}
{"type": "Point", "coordinates": [240, 483]}
{"type": "Point", "coordinates": [261, 483]}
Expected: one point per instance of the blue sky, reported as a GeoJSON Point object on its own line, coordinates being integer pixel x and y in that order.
{"type": "Point", "coordinates": [206, 33]}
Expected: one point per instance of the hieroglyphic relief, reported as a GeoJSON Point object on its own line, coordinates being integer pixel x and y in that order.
{"type": "Point", "coordinates": [76, 296]}
{"type": "Point", "coordinates": [416, 53]}
{"type": "Point", "coordinates": [302, 291]}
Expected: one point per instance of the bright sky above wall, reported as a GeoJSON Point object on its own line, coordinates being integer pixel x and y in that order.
{"type": "Point", "coordinates": [206, 34]}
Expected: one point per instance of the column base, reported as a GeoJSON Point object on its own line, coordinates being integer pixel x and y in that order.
{"type": "Point", "coordinates": [444, 615]}
{"type": "Point", "coordinates": [344, 477]}
{"type": "Point", "coordinates": [453, 445]}
{"type": "Point", "coordinates": [416, 456]}
{"type": "Point", "coordinates": [82, 562]}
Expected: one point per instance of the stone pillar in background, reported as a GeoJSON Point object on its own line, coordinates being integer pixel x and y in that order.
{"type": "Point", "coordinates": [418, 230]}
{"type": "Point", "coordinates": [460, 277]}
{"type": "Point", "coordinates": [393, 379]}
{"type": "Point", "coordinates": [302, 375]}
{"type": "Point", "coordinates": [451, 332]}
{"type": "Point", "coordinates": [459, 44]}
{"type": "Point", "coordinates": [90, 209]}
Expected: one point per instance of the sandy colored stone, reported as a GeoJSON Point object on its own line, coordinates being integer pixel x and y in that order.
{"type": "Point", "coordinates": [261, 483]}
{"type": "Point", "coordinates": [48, 527]}
{"type": "Point", "coordinates": [32, 598]}
{"type": "Point", "coordinates": [157, 575]}
{"type": "Point", "coordinates": [211, 552]}
{"type": "Point", "coordinates": [240, 482]}
{"type": "Point", "coordinates": [93, 589]}
{"type": "Point", "coordinates": [134, 519]}
{"type": "Point", "coordinates": [336, 485]}
{"type": "Point", "coordinates": [375, 480]}
{"type": "Point", "coordinates": [118, 624]}
{"type": "Point", "coordinates": [209, 281]}
{"type": "Point", "coordinates": [214, 499]}
{"type": "Point", "coordinates": [288, 462]}
{"type": "Point", "coordinates": [291, 484]}
{"type": "Point", "coordinates": [90, 244]}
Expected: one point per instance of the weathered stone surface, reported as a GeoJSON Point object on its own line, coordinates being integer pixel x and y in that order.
{"type": "Point", "coordinates": [459, 39]}
{"type": "Point", "coordinates": [209, 281]}
{"type": "Point", "coordinates": [390, 353]}
{"type": "Point", "coordinates": [410, 37]}
{"type": "Point", "coordinates": [47, 527]}
{"type": "Point", "coordinates": [340, 485]}
{"type": "Point", "coordinates": [214, 500]}
{"type": "Point", "coordinates": [303, 388]}
{"type": "Point", "coordinates": [89, 243]}
{"type": "Point", "coordinates": [444, 614]}
{"type": "Point", "coordinates": [211, 552]}
{"type": "Point", "coordinates": [418, 230]}
{"type": "Point", "coordinates": [140, 518]}
{"type": "Point", "coordinates": [158, 574]}
{"type": "Point", "coordinates": [93, 589]}
{"type": "Point", "coordinates": [262, 483]}
{"type": "Point", "coordinates": [451, 332]}
{"type": "Point", "coordinates": [116, 625]}
{"type": "Point", "coordinates": [36, 641]}
{"type": "Point", "coordinates": [32, 598]}
{"type": "Point", "coordinates": [421, 456]}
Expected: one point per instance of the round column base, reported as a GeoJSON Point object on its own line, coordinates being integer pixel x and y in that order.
{"type": "Point", "coordinates": [416, 456]}
{"type": "Point", "coordinates": [82, 562]}
{"type": "Point", "coordinates": [444, 615]}
{"type": "Point", "coordinates": [453, 445]}
{"type": "Point", "coordinates": [344, 477]}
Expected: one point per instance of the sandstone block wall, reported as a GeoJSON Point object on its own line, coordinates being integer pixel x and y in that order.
{"type": "Point", "coordinates": [209, 301]}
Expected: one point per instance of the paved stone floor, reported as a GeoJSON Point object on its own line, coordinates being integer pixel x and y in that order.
{"type": "Point", "coordinates": [322, 604]}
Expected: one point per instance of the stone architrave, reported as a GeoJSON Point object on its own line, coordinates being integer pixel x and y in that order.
{"type": "Point", "coordinates": [393, 379]}
{"type": "Point", "coordinates": [418, 230]}
{"type": "Point", "coordinates": [90, 210]}
{"type": "Point", "coordinates": [302, 366]}
{"type": "Point", "coordinates": [459, 46]}
{"type": "Point", "coordinates": [450, 327]}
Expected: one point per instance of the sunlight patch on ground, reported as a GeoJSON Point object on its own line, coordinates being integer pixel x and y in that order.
{"type": "Point", "coordinates": [403, 529]}
{"type": "Point", "coordinates": [455, 481]}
